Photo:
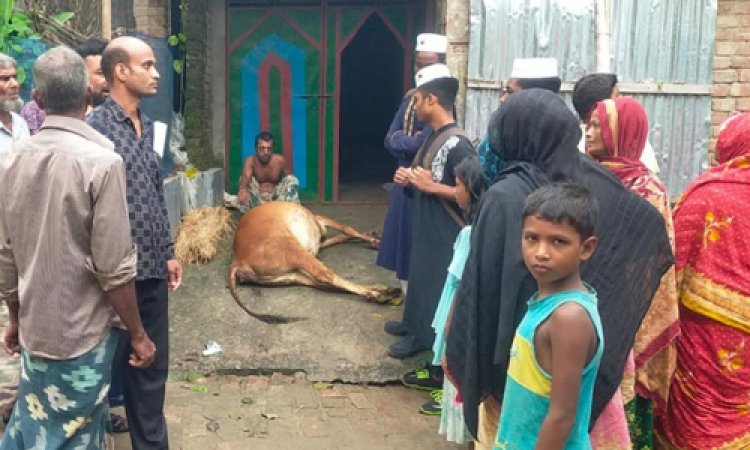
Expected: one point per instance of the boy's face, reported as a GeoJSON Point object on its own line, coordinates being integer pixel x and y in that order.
{"type": "Point", "coordinates": [553, 251]}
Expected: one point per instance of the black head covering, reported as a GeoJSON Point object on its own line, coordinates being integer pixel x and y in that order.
{"type": "Point", "coordinates": [539, 131]}
{"type": "Point", "coordinates": [538, 136]}
{"type": "Point", "coordinates": [550, 83]}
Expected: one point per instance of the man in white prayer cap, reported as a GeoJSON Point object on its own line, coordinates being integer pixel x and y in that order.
{"type": "Point", "coordinates": [528, 73]}
{"type": "Point", "coordinates": [436, 220]}
{"type": "Point", "coordinates": [404, 137]}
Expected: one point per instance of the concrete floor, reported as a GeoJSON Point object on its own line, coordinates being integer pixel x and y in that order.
{"type": "Point", "coordinates": [245, 407]}
{"type": "Point", "coordinates": [342, 338]}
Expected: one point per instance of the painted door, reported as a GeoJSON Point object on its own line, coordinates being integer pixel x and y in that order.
{"type": "Point", "coordinates": [344, 23]}
{"type": "Point", "coordinates": [284, 66]}
{"type": "Point", "coordinates": [274, 85]}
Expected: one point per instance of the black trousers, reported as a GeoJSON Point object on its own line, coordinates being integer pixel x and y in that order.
{"type": "Point", "coordinates": [145, 388]}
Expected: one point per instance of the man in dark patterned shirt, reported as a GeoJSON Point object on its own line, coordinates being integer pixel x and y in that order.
{"type": "Point", "coordinates": [129, 67]}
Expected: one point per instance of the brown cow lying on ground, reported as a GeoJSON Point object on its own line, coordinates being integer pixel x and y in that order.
{"type": "Point", "coordinates": [276, 245]}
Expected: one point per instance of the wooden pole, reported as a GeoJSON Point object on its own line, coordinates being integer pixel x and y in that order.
{"type": "Point", "coordinates": [457, 30]}
{"type": "Point", "coordinates": [107, 19]}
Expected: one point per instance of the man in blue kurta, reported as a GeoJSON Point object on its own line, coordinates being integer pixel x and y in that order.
{"type": "Point", "coordinates": [404, 137]}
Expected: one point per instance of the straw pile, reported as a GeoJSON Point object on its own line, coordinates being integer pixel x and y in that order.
{"type": "Point", "coordinates": [201, 231]}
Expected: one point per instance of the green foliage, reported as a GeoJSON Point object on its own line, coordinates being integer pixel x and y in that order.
{"type": "Point", "coordinates": [14, 25]}
{"type": "Point", "coordinates": [64, 17]}
{"type": "Point", "coordinates": [178, 42]}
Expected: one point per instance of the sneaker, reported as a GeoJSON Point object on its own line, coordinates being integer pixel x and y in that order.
{"type": "Point", "coordinates": [421, 379]}
{"type": "Point", "coordinates": [435, 406]}
{"type": "Point", "coordinates": [406, 347]}
{"type": "Point", "coordinates": [395, 328]}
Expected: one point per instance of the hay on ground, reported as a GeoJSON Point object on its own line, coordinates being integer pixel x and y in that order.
{"type": "Point", "coordinates": [201, 231]}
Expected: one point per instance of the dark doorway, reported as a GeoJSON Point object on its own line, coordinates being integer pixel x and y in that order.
{"type": "Point", "coordinates": [372, 74]}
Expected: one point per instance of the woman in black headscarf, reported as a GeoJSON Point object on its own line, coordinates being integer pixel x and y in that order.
{"type": "Point", "coordinates": [538, 136]}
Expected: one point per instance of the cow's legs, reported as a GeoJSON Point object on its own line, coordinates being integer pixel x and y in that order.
{"type": "Point", "coordinates": [331, 241]}
{"type": "Point", "coordinates": [288, 279]}
{"type": "Point", "coordinates": [347, 230]}
{"type": "Point", "coordinates": [322, 277]}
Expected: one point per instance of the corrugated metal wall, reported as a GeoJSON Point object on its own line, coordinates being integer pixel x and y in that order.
{"type": "Point", "coordinates": [654, 42]}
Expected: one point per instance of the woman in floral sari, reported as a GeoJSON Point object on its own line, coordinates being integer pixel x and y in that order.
{"type": "Point", "coordinates": [709, 400]}
{"type": "Point", "coordinates": [616, 136]}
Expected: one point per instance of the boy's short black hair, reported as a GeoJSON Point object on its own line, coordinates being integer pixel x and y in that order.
{"type": "Point", "coordinates": [445, 89]}
{"type": "Point", "coordinates": [564, 201]}
{"type": "Point", "coordinates": [590, 90]}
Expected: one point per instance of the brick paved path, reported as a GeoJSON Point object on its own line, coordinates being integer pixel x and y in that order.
{"type": "Point", "coordinates": [281, 412]}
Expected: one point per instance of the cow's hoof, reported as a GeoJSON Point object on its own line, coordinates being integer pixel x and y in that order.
{"type": "Point", "coordinates": [396, 301]}
{"type": "Point", "coordinates": [374, 240]}
{"type": "Point", "coordinates": [388, 295]}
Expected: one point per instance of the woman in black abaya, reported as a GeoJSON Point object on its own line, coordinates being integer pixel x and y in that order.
{"type": "Point", "coordinates": [538, 136]}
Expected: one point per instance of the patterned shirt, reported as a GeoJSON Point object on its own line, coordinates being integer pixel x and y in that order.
{"type": "Point", "coordinates": [34, 116]}
{"type": "Point", "coordinates": [145, 186]}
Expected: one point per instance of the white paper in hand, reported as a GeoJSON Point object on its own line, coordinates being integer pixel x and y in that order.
{"type": "Point", "coordinates": [160, 137]}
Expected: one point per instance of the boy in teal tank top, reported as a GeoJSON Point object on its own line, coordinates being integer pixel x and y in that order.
{"type": "Point", "coordinates": [559, 342]}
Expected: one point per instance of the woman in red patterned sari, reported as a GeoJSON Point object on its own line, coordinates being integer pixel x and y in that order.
{"type": "Point", "coordinates": [615, 137]}
{"type": "Point", "coordinates": [709, 401]}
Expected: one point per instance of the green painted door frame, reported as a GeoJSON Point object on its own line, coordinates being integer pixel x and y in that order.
{"type": "Point", "coordinates": [284, 76]}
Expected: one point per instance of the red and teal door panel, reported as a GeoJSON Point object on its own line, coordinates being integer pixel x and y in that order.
{"type": "Point", "coordinates": [273, 67]}
{"type": "Point", "coordinates": [276, 57]}
{"type": "Point", "coordinates": [283, 76]}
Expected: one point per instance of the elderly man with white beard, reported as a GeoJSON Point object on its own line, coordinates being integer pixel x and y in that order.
{"type": "Point", "coordinates": [12, 126]}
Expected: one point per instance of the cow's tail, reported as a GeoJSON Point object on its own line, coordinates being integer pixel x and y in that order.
{"type": "Point", "coordinates": [267, 318]}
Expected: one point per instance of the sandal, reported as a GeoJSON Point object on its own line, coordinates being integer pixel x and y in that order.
{"type": "Point", "coordinates": [119, 423]}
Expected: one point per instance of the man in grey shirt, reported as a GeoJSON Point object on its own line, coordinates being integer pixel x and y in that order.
{"type": "Point", "coordinates": [66, 262]}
